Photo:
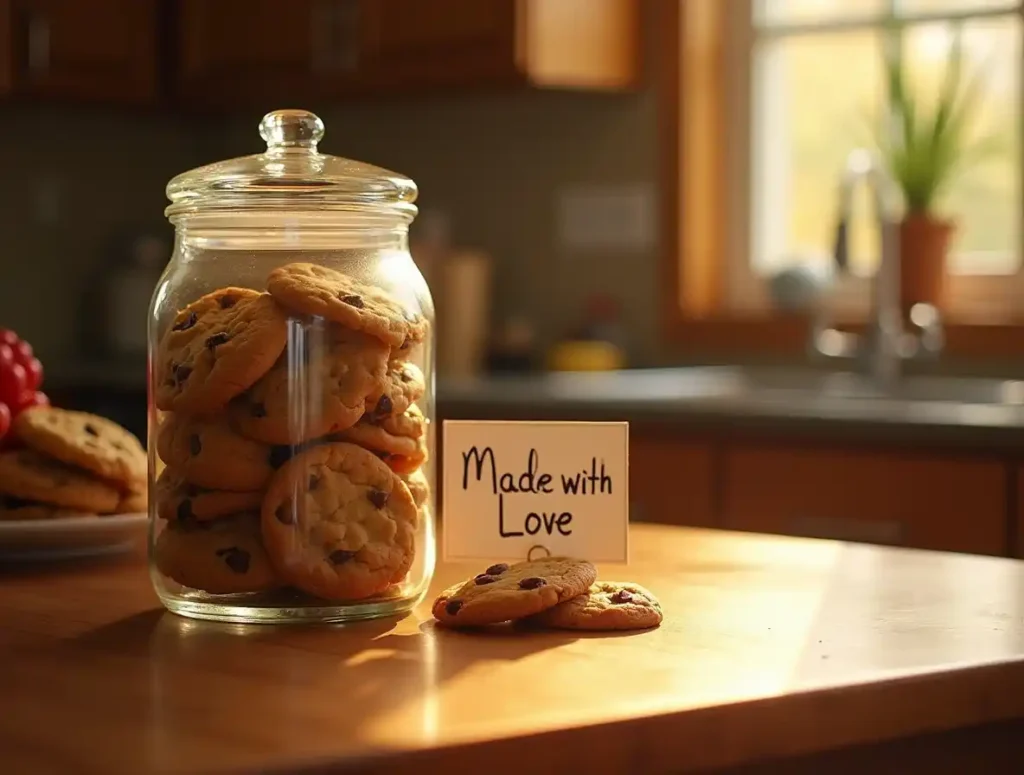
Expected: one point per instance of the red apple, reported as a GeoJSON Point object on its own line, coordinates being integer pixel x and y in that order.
{"type": "Point", "coordinates": [13, 383]}
{"type": "Point", "coordinates": [32, 398]}
{"type": "Point", "coordinates": [34, 367]}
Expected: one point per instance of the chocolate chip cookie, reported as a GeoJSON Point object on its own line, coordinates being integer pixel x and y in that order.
{"type": "Point", "coordinates": [397, 439]}
{"type": "Point", "coordinates": [321, 385]}
{"type": "Point", "coordinates": [210, 453]}
{"type": "Point", "coordinates": [134, 500]}
{"type": "Point", "coordinates": [338, 523]}
{"type": "Point", "coordinates": [223, 556]}
{"type": "Point", "coordinates": [418, 486]}
{"type": "Point", "coordinates": [506, 592]}
{"type": "Point", "coordinates": [176, 499]}
{"type": "Point", "coordinates": [403, 386]}
{"type": "Point", "coordinates": [84, 440]}
{"type": "Point", "coordinates": [29, 475]}
{"type": "Point", "coordinates": [317, 290]}
{"type": "Point", "coordinates": [216, 348]}
{"type": "Point", "coordinates": [18, 510]}
{"type": "Point", "coordinates": [607, 605]}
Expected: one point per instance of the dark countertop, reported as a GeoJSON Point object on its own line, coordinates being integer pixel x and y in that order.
{"type": "Point", "coordinates": [988, 415]}
{"type": "Point", "coordinates": [708, 398]}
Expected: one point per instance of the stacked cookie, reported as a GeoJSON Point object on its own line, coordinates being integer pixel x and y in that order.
{"type": "Point", "coordinates": [70, 464]}
{"type": "Point", "coordinates": [559, 592]}
{"type": "Point", "coordinates": [291, 438]}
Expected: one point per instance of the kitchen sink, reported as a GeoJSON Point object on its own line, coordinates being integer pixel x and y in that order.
{"type": "Point", "coordinates": [736, 388]}
{"type": "Point", "coordinates": [792, 384]}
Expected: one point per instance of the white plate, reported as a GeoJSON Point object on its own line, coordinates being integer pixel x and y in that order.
{"type": "Point", "coordinates": [64, 537]}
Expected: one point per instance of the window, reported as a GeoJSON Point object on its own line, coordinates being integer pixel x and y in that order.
{"type": "Point", "coordinates": [799, 85]}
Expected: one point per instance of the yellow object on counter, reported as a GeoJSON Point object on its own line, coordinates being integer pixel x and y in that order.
{"type": "Point", "coordinates": [585, 356]}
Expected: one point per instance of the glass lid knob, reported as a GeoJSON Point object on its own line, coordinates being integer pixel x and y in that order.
{"type": "Point", "coordinates": [291, 129]}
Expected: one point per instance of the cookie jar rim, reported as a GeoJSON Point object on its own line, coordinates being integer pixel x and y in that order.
{"type": "Point", "coordinates": [291, 175]}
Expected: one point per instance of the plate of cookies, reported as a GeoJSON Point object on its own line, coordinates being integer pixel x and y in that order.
{"type": "Point", "coordinates": [71, 484]}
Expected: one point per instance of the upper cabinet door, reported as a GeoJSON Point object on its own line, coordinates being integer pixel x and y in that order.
{"type": "Point", "coordinates": [247, 51]}
{"type": "Point", "coordinates": [411, 43]}
{"type": "Point", "coordinates": [95, 50]}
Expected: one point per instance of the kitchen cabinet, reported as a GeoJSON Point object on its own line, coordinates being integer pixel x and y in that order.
{"type": "Point", "coordinates": [248, 51]}
{"type": "Point", "coordinates": [671, 481]}
{"type": "Point", "coordinates": [90, 50]}
{"type": "Point", "coordinates": [882, 497]}
{"type": "Point", "coordinates": [1017, 550]}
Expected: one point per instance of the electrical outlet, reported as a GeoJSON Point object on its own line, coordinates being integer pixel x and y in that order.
{"type": "Point", "coordinates": [602, 218]}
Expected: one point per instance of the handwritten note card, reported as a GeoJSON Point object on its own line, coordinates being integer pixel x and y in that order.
{"type": "Point", "coordinates": [510, 486]}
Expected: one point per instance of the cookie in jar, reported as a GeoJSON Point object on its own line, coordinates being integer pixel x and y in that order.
{"type": "Point", "coordinates": [291, 376]}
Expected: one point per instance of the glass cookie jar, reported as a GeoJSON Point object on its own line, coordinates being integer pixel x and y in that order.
{"type": "Point", "coordinates": [291, 390]}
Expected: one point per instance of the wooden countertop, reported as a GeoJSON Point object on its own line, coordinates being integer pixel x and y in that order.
{"type": "Point", "coordinates": [771, 647]}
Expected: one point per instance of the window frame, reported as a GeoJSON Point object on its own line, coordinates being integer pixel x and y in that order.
{"type": "Point", "coordinates": [713, 299]}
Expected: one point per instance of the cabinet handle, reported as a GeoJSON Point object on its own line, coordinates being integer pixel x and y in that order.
{"type": "Point", "coordinates": [840, 529]}
{"type": "Point", "coordinates": [38, 44]}
{"type": "Point", "coordinates": [334, 36]}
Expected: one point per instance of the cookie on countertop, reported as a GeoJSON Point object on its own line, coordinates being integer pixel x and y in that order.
{"type": "Point", "coordinates": [216, 348]}
{"type": "Point", "coordinates": [210, 453]}
{"type": "Point", "coordinates": [338, 523]}
{"type": "Point", "coordinates": [17, 510]}
{"type": "Point", "coordinates": [320, 386]}
{"type": "Point", "coordinates": [403, 386]}
{"type": "Point", "coordinates": [318, 290]}
{"type": "Point", "coordinates": [507, 592]}
{"type": "Point", "coordinates": [84, 440]}
{"type": "Point", "coordinates": [224, 556]}
{"type": "Point", "coordinates": [607, 605]}
{"type": "Point", "coordinates": [176, 499]}
{"type": "Point", "coordinates": [399, 438]}
{"type": "Point", "coordinates": [29, 475]}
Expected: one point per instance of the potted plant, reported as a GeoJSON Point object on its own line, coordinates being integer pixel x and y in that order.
{"type": "Point", "coordinates": [925, 144]}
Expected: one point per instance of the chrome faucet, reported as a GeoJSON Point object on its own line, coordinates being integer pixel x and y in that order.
{"type": "Point", "coordinates": [886, 343]}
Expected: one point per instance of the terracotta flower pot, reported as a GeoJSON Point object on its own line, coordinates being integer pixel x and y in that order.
{"type": "Point", "coordinates": [924, 243]}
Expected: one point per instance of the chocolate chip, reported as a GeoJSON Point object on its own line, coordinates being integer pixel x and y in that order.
{"type": "Point", "coordinates": [622, 596]}
{"type": "Point", "coordinates": [340, 556]}
{"type": "Point", "coordinates": [383, 407]}
{"type": "Point", "coordinates": [91, 430]}
{"type": "Point", "coordinates": [220, 338]}
{"type": "Point", "coordinates": [285, 514]}
{"type": "Point", "coordinates": [405, 376]}
{"type": "Point", "coordinates": [227, 301]}
{"type": "Point", "coordinates": [314, 482]}
{"type": "Point", "coordinates": [405, 344]}
{"type": "Point", "coordinates": [235, 558]}
{"type": "Point", "coordinates": [195, 445]}
{"type": "Point", "coordinates": [378, 498]}
{"type": "Point", "coordinates": [453, 606]}
{"type": "Point", "coordinates": [496, 570]}
{"type": "Point", "coordinates": [532, 582]}
{"type": "Point", "coordinates": [257, 410]}
{"type": "Point", "coordinates": [353, 300]}
{"type": "Point", "coordinates": [187, 323]}
{"type": "Point", "coordinates": [279, 455]}
{"type": "Point", "coordinates": [483, 578]}
{"type": "Point", "coordinates": [181, 373]}
{"type": "Point", "coordinates": [185, 510]}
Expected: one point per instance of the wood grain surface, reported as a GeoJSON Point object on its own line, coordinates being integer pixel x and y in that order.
{"type": "Point", "coordinates": [771, 647]}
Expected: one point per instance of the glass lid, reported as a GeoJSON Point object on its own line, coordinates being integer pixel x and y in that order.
{"type": "Point", "coordinates": [290, 174]}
